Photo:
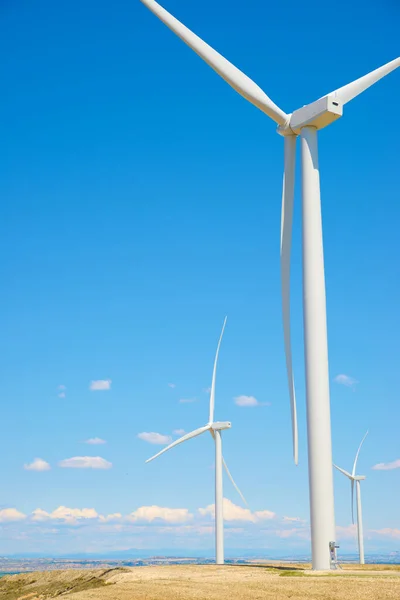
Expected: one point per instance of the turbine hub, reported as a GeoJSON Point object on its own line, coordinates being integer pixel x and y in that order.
{"type": "Point", "coordinates": [318, 114]}
{"type": "Point", "coordinates": [219, 425]}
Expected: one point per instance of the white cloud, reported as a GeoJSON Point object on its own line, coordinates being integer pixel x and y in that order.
{"type": "Point", "coordinates": [110, 518]}
{"type": "Point", "coordinates": [154, 438]}
{"type": "Point", "coordinates": [172, 385]}
{"type": "Point", "coordinates": [345, 380]}
{"type": "Point", "coordinates": [38, 465]}
{"type": "Point", "coordinates": [62, 387]}
{"type": "Point", "coordinates": [100, 385]}
{"type": "Point", "coordinates": [64, 514]}
{"type": "Point", "coordinates": [179, 432]}
{"type": "Point", "coordinates": [169, 515]}
{"type": "Point", "coordinates": [249, 401]}
{"type": "Point", "coordinates": [39, 515]}
{"type": "Point", "coordinates": [95, 441]}
{"type": "Point", "coordinates": [387, 466]}
{"type": "Point", "coordinates": [207, 390]}
{"type": "Point", "coordinates": [61, 395]}
{"type": "Point", "coordinates": [233, 512]}
{"type": "Point", "coordinates": [187, 400]}
{"type": "Point", "coordinates": [85, 462]}
{"type": "Point", "coordinates": [8, 515]}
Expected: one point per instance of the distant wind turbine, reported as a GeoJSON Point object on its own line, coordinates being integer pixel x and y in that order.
{"type": "Point", "coordinates": [215, 428]}
{"type": "Point", "coordinates": [305, 123]}
{"type": "Point", "coordinates": [356, 479]}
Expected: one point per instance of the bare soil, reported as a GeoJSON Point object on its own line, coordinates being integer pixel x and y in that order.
{"type": "Point", "coordinates": [188, 582]}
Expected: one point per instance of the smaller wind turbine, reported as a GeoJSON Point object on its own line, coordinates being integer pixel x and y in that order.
{"type": "Point", "coordinates": [215, 428]}
{"type": "Point", "coordinates": [356, 479]}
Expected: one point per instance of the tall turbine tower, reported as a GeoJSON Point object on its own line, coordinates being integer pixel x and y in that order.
{"type": "Point", "coordinates": [355, 479]}
{"type": "Point", "coordinates": [304, 122]}
{"type": "Point", "coordinates": [215, 428]}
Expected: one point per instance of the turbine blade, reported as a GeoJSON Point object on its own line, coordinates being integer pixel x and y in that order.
{"type": "Point", "coordinates": [212, 394]}
{"type": "Point", "coordinates": [352, 501]}
{"type": "Point", "coordinates": [233, 481]}
{"type": "Point", "coordinates": [358, 452]}
{"type": "Point", "coordinates": [233, 76]}
{"type": "Point", "coordinates": [184, 438]}
{"type": "Point", "coordinates": [229, 474]}
{"type": "Point", "coordinates": [286, 244]}
{"type": "Point", "coordinates": [355, 88]}
{"type": "Point", "coordinates": [344, 472]}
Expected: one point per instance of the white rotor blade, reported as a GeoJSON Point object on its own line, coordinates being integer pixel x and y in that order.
{"type": "Point", "coordinates": [233, 482]}
{"type": "Point", "coordinates": [358, 452]}
{"type": "Point", "coordinates": [235, 78]}
{"type": "Point", "coordinates": [184, 438]}
{"type": "Point", "coordinates": [212, 394]}
{"type": "Point", "coordinates": [229, 474]}
{"type": "Point", "coordinates": [344, 472]}
{"type": "Point", "coordinates": [355, 88]}
{"type": "Point", "coordinates": [286, 244]}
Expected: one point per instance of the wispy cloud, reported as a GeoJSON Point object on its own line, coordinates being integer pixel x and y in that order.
{"type": "Point", "coordinates": [154, 438]}
{"type": "Point", "coordinates": [293, 520]}
{"type": "Point", "coordinates": [172, 385]}
{"type": "Point", "coordinates": [95, 441]}
{"type": "Point", "coordinates": [62, 391]}
{"type": "Point", "coordinates": [187, 400]}
{"type": "Point", "coordinates": [8, 515]}
{"type": "Point", "coordinates": [249, 401]}
{"type": "Point", "coordinates": [37, 465]}
{"type": "Point", "coordinates": [169, 515]}
{"type": "Point", "coordinates": [264, 515]}
{"type": "Point", "coordinates": [345, 380]}
{"type": "Point", "coordinates": [302, 533]}
{"type": "Point", "coordinates": [387, 532]}
{"type": "Point", "coordinates": [233, 512]}
{"type": "Point", "coordinates": [179, 432]}
{"type": "Point", "coordinates": [85, 462]}
{"type": "Point", "coordinates": [348, 532]}
{"type": "Point", "coordinates": [207, 390]}
{"type": "Point", "coordinates": [387, 466]}
{"type": "Point", "coordinates": [100, 385]}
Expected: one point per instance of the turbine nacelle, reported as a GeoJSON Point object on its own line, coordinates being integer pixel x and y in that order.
{"type": "Point", "coordinates": [220, 425]}
{"type": "Point", "coordinates": [318, 114]}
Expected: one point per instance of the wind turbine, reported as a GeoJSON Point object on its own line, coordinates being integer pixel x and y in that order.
{"type": "Point", "coordinates": [215, 428]}
{"type": "Point", "coordinates": [356, 479]}
{"type": "Point", "coordinates": [304, 122]}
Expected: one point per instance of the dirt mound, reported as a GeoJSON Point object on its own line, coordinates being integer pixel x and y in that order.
{"type": "Point", "coordinates": [51, 584]}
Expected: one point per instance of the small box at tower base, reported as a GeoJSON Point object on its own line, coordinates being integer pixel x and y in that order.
{"type": "Point", "coordinates": [332, 550]}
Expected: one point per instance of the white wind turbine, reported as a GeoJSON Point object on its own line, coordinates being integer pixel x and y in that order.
{"type": "Point", "coordinates": [356, 479]}
{"type": "Point", "coordinates": [215, 428]}
{"type": "Point", "coordinates": [304, 122]}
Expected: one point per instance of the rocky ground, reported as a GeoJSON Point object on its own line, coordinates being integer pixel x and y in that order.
{"type": "Point", "coordinates": [208, 582]}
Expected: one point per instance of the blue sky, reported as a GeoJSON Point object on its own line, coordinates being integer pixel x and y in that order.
{"type": "Point", "coordinates": [140, 204]}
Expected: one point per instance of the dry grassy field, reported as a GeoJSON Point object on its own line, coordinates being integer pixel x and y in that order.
{"type": "Point", "coordinates": [209, 582]}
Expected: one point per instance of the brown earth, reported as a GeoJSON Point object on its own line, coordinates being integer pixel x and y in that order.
{"type": "Point", "coordinates": [209, 582]}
